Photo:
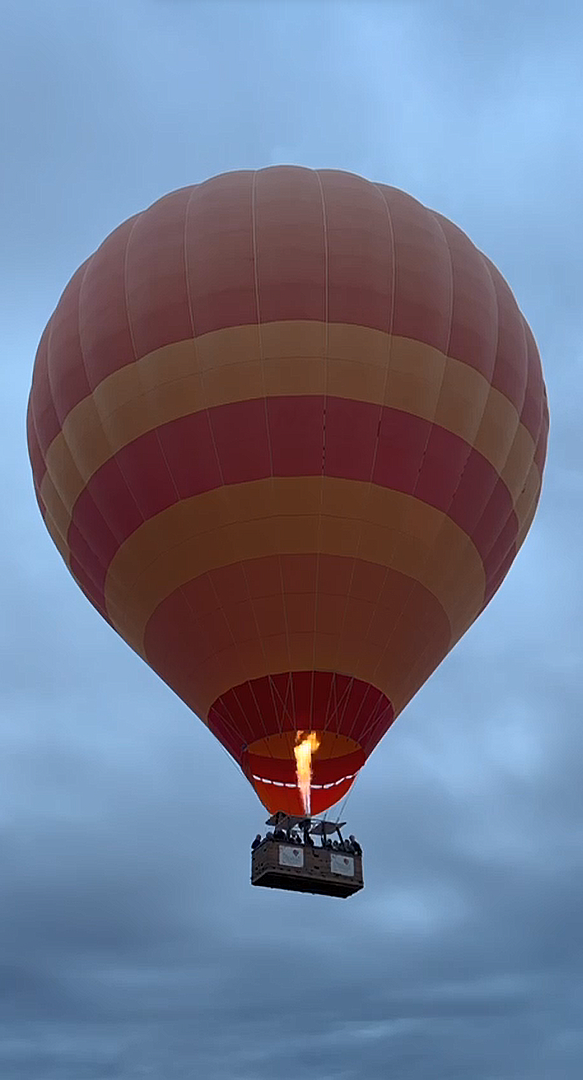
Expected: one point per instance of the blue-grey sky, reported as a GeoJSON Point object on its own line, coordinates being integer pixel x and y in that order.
{"type": "Point", "coordinates": [130, 946]}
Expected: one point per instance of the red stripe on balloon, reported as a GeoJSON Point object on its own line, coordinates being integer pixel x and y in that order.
{"type": "Point", "coordinates": [360, 252]}
{"type": "Point", "coordinates": [104, 332]}
{"type": "Point", "coordinates": [158, 307]}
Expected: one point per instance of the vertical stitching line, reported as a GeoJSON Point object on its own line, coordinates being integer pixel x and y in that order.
{"type": "Point", "coordinates": [150, 403]}
{"type": "Point", "coordinates": [271, 484]}
{"type": "Point", "coordinates": [377, 440]}
{"type": "Point", "coordinates": [326, 376]}
{"type": "Point", "coordinates": [197, 366]}
{"type": "Point", "coordinates": [366, 496]}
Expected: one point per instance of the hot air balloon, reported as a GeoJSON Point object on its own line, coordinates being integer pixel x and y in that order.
{"type": "Point", "coordinates": [287, 430]}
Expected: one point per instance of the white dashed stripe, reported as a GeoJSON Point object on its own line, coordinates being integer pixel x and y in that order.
{"type": "Point", "coordinates": [315, 787]}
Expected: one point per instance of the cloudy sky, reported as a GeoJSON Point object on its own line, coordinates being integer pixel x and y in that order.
{"type": "Point", "coordinates": [131, 944]}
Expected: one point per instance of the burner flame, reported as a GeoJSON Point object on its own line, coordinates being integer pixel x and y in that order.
{"type": "Point", "coordinates": [305, 746]}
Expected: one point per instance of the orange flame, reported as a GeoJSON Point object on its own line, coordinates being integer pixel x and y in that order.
{"type": "Point", "coordinates": [303, 750]}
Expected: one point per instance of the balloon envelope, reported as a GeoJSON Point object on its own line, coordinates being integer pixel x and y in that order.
{"type": "Point", "coordinates": [287, 430]}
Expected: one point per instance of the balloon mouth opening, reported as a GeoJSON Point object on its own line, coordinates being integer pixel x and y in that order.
{"type": "Point", "coordinates": [302, 772]}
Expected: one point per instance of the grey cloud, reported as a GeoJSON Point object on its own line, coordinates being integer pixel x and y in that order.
{"type": "Point", "coordinates": [131, 943]}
